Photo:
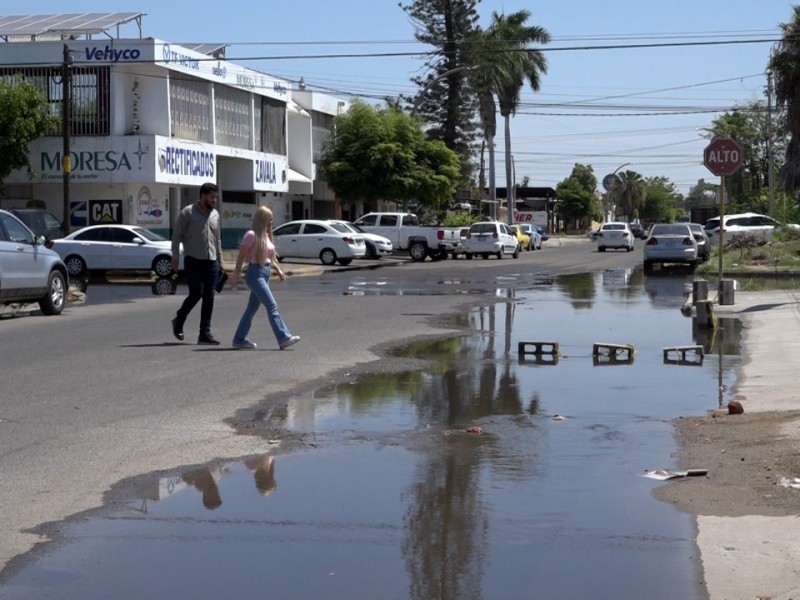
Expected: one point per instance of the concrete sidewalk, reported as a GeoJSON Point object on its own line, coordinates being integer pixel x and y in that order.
{"type": "Point", "coordinates": [756, 556]}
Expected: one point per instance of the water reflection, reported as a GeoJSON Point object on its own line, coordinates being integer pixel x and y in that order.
{"type": "Point", "coordinates": [668, 289]}
{"type": "Point", "coordinates": [579, 288]}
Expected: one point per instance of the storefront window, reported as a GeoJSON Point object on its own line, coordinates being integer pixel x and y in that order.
{"type": "Point", "coordinates": [273, 126]}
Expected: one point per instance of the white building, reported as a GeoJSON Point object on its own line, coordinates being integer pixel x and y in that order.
{"type": "Point", "coordinates": [152, 120]}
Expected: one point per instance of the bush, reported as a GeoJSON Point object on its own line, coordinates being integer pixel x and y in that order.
{"type": "Point", "coordinates": [462, 220]}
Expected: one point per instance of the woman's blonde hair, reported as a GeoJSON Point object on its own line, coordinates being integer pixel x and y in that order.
{"type": "Point", "coordinates": [262, 227]}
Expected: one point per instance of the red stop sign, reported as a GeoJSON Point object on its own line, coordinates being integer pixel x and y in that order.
{"type": "Point", "coordinates": [723, 156]}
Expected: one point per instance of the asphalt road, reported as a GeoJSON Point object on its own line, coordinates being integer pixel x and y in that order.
{"type": "Point", "coordinates": [104, 393]}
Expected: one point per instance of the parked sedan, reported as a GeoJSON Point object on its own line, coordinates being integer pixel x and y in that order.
{"type": "Point", "coordinates": [615, 235]}
{"type": "Point", "coordinates": [638, 230]}
{"type": "Point", "coordinates": [490, 238]}
{"type": "Point", "coordinates": [116, 248]}
{"type": "Point", "coordinates": [329, 241]}
{"type": "Point", "coordinates": [670, 243]}
{"type": "Point", "coordinates": [29, 272]}
{"type": "Point", "coordinates": [377, 245]}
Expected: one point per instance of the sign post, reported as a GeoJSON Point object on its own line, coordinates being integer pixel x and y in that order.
{"type": "Point", "coordinates": [723, 157]}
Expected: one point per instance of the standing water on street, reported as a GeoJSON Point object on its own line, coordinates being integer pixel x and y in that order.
{"type": "Point", "coordinates": [475, 472]}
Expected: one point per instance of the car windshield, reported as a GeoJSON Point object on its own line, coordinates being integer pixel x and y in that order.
{"type": "Point", "coordinates": [356, 227]}
{"type": "Point", "coordinates": [669, 229]}
{"type": "Point", "coordinates": [613, 227]}
{"type": "Point", "coordinates": [149, 235]}
{"type": "Point", "coordinates": [711, 224]}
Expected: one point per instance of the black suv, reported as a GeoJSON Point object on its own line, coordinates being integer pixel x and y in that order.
{"type": "Point", "coordinates": [40, 222]}
{"type": "Point", "coordinates": [637, 230]}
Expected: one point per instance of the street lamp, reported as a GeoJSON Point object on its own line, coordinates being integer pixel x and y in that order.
{"type": "Point", "coordinates": [612, 185]}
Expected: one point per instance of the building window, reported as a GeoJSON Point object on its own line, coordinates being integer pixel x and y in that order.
{"type": "Point", "coordinates": [91, 98]}
{"type": "Point", "coordinates": [232, 117]}
{"type": "Point", "coordinates": [190, 108]}
{"type": "Point", "coordinates": [273, 126]}
{"type": "Point", "coordinates": [322, 129]}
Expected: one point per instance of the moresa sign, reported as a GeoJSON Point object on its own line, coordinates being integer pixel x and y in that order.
{"type": "Point", "coordinates": [723, 156]}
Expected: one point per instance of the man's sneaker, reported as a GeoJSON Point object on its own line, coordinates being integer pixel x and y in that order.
{"type": "Point", "coordinates": [206, 339]}
{"type": "Point", "coordinates": [245, 345]}
{"type": "Point", "coordinates": [290, 342]}
{"type": "Point", "coordinates": [177, 329]}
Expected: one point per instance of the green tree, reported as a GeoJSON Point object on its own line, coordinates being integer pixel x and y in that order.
{"type": "Point", "coordinates": [785, 64]}
{"type": "Point", "coordinates": [576, 206]}
{"type": "Point", "coordinates": [510, 40]}
{"type": "Point", "coordinates": [662, 200]}
{"type": "Point", "coordinates": [444, 99]}
{"type": "Point", "coordinates": [24, 117]}
{"type": "Point", "coordinates": [631, 194]}
{"type": "Point", "coordinates": [382, 153]}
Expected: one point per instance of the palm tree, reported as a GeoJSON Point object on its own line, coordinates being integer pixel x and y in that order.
{"type": "Point", "coordinates": [785, 64]}
{"type": "Point", "coordinates": [508, 62]}
{"type": "Point", "coordinates": [502, 63]}
{"type": "Point", "coordinates": [631, 193]}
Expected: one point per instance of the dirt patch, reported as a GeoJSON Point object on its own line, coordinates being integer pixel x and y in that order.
{"type": "Point", "coordinates": [746, 455]}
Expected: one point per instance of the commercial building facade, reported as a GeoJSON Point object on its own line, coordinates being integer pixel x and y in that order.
{"type": "Point", "coordinates": [151, 121]}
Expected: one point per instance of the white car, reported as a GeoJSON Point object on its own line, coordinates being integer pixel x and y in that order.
{"type": "Point", "coordinates": [116, 248]}
{"type": "Point", "coordinates": [615, 235]}
{"type": "Point", "coordinates": [29, 272]}
{"type": "Point", "coordinates": [761, 226]}
{"type": "Point", "coordinates": [490, 237]}
{"type": "Point", "coordinates": [377, 245]}
{"type": "Point", "coordinates": [329, 241]}
{"type": "Point", "coordinates": [670, 243]}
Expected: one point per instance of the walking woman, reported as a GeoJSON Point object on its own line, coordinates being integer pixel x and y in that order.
{"type": "Point", "coordinates": [258, 250]}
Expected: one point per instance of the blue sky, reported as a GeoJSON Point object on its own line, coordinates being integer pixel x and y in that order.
{"type": "Point", "coordinates": [598, 107]}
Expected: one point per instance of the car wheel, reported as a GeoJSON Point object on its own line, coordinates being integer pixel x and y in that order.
{"type": "Point", "coordinates": [345, 261]}
{"type": "Point", "coordinates": [516, 252]}
{"type": "Point", "coordinates": [328, 257]}
{"type": "Point", "coordinates": [75, 265]}
{"type": "Point", "coordinates": [53, 302]}
{"type": "Point", "coordinates": [162, 265]}
{"type": "Point", "coordinates": [372, 254]}
{"type": "Point", "coordinates": [485, 255]}
{"type": "Point", "coordinates": [418, 251]}
{"type": "Point", "coordinates": [468, 256]}
{"type": "Point", "coordinates": [601, 248]}
{"type": "Point", "coordinates": [501, 253]}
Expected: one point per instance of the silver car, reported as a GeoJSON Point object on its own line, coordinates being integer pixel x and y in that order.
{"type": "Point", "coordinates": [329, 241]}
{"type": "Point", "coordinates": [29, 272]}
{"type": "Point", "coordinates": [670, 243]}
{"type": "Point", "coordinates": [116, 248]}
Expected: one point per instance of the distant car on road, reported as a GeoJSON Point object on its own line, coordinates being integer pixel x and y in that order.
{"type": "Point", "coordinates": [491, 237]}
{"type": "Point", "coordinates": [615, 235]}
{"type": "Point", "coordinates": [329, 241]}
{"type": "Point", "coordinates": [523, 237]}
{"type": "Point", "coordinates": [103, 248]}
{"type": "Point", "coordinates": [377, 245]}
{"type": "Point", "coordinates": [542, 232]}
{"type": "Point", "coordinates": [29, 272]}
{"type": "Point", "coordinates": [637, 230]}
{"type": "Point", "coordinates": [670, 243]}
{"type": "Point", "coordinates": [703, 243]}
{"type": "Point", "coordinates": [533, 232]}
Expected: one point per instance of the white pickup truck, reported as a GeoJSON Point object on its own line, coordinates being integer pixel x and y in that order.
{"type": "Point", "coordinates": [407, 234]}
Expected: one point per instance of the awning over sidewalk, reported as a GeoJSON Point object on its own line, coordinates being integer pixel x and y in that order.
{"type": "Point", "coordinates": [295, 176]}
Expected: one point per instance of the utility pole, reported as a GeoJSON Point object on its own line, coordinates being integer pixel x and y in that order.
{"type": "Point", "coordinates": [66, 119]}
{"type": "Point", "coordinates": [770, 148]}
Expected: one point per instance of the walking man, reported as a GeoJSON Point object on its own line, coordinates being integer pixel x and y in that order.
{"type": "Point", "coordinates": [199, 230]}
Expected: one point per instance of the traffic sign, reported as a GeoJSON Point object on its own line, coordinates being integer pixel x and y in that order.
{"type": "Point", "coordinates": [611, 181]}
{"type": "Point", "coordinates": [723, 156]}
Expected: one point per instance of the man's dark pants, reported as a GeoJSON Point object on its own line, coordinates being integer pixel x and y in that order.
{"type": "Point", "coordinates": [201, 277]}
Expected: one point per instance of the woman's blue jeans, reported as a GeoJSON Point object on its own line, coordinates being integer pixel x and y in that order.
{"type": "Point", "coordinates": [257, 280]}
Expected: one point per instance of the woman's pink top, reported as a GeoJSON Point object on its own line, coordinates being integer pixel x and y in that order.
{"type": "Point", "coordinates": [249, 246]}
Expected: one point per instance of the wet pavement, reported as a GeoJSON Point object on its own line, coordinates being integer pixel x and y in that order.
{"type": "Point", "coordinates": [476, 473]}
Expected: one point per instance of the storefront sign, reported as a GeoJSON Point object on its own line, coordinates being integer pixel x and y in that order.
{"type": "Point", "coordinates": [237, 215]}
{"type": "Point", "coordinates": [149, 210]}
{"type": "Point", "coordinates": [94, 212]}
{"type": "Point", "coordinates": [185, 163]}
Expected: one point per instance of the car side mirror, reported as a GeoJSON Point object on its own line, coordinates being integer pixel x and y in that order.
{"type": "Point", "coordinates": [138, 240]}
{"type": "Point", "coordinates": [39, 240]}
